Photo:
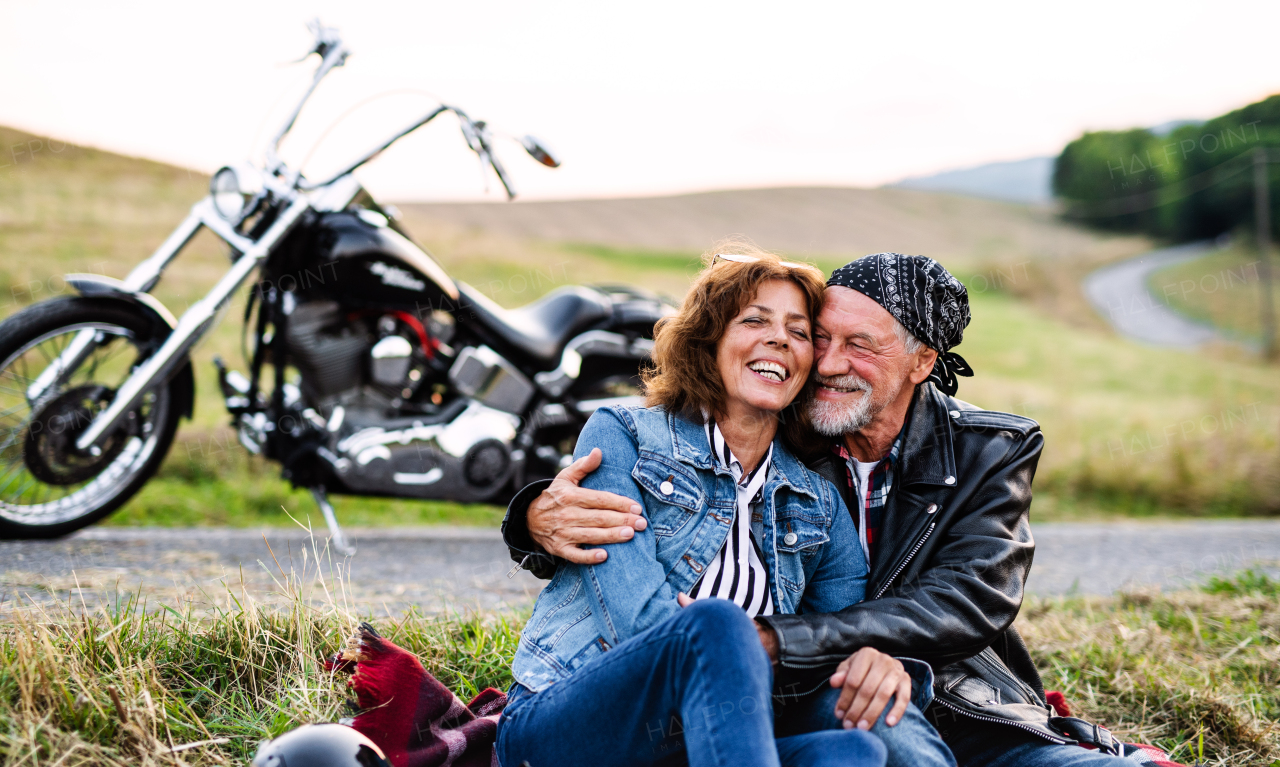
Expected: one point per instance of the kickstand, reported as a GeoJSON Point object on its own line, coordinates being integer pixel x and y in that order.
{"type": "Point", "coordinates": [338, 538]}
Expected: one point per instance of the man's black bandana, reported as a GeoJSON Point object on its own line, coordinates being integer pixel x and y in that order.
{"type": "Point", "coordinates": [930, 303]}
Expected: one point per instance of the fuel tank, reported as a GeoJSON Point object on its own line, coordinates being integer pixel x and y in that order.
{"type": "Point", "coordinates": [368, 263]}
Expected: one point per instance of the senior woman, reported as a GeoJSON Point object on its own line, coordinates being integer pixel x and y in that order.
{"type": "Point", "coordinates": [653, 656]}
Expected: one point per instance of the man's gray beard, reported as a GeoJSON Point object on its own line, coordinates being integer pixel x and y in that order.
{"type": "Point", "coordinates": [835, 419]}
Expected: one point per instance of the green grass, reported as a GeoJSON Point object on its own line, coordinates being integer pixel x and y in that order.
{"type": "Point", "coordinates": [647, 259]}
{"type": "Point", "coordinates": [1192, 672]}
{"type": "Point", "coordinates": [209, 480]}
{"type": "Point", "coordinates": [264, 499]}
{"type": "Point", "coordinates": [1247, 583]}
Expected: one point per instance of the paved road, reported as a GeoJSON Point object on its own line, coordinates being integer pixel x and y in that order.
{"type": "Point", "coordinates": [1119, 293]}
{"type": "Point", "coordinates": [1103, 558]}
{"type": "Point", "coordinates": [434, 569]}
{"type": "Point", "coordinates": [441, 569]}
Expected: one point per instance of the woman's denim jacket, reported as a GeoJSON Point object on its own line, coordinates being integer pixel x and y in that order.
{"type": "Point", "coordinates": [664, 463]}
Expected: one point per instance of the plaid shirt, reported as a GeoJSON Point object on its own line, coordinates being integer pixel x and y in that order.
{"type": "Point", "coordinates": [876, 494]}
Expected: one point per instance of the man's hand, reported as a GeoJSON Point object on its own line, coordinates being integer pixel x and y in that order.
{"type": "Point", "coordinates": [870, 678]}
{"type": "Point", "coordinates": [565, 516]}
{"type": "Point", "coordinates": [768, 638]}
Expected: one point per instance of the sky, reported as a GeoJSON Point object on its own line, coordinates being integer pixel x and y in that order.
{"type": "Point", "coordinates": [635, 98]}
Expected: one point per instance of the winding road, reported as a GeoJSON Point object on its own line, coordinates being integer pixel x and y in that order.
{"type": "Point", "coordinates": [1120, 295]}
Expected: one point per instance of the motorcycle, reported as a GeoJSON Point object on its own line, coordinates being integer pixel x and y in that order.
{"type": "Point", "coordinates": [371, 371]}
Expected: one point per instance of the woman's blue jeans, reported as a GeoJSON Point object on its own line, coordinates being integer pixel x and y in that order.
{"type": "Point", "coordinates": [695, 689]}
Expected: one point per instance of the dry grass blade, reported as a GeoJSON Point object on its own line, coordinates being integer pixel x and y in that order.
{"type": "Point", "coordinates": [199, 744]}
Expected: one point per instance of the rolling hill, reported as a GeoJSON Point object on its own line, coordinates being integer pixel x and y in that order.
{"type": "Point", "coordinates": [822, 222]}
{"type": "Point", "coordinates": [1026, 181]}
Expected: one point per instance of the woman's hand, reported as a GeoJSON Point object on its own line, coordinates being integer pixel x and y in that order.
{"type": "Point", "coordinates": [870, 678]}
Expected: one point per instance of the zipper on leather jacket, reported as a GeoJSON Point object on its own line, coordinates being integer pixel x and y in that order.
{"type": "Point", "coordinates": [998, 720]}
{"type": "Point", "coordinates": [512, 572]}
{"type": "Point", "coordinates": [906, 561]}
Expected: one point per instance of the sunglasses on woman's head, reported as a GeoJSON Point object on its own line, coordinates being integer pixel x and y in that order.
{"type": "Point", "coordinates": [741, 259]}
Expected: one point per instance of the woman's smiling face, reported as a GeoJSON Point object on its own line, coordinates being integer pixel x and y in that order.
{"type": "Point", "coordinates": [766, 352]}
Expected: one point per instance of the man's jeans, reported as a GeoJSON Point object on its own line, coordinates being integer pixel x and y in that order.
{"type": "Point", "coordinates": [912, 742]}
{"type": "Point", "coordinates": [694, 689]}
{"type": "Point", "coordinates": [980, 744]}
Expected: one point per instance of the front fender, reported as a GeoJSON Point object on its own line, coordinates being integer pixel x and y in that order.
{"type": "Point", "coordinates": [98, 286]}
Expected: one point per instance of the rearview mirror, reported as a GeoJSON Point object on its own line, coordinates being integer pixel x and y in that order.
{"type": "Point", "coordinates": [539, 152]}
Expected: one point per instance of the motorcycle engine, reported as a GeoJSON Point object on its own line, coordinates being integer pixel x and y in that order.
{"type": "Point", "coordinates": [385, 360]}
{"type": "Point", "coordinates": [327, 351]}
{"type": "Point", "coordinates": [375, 386]}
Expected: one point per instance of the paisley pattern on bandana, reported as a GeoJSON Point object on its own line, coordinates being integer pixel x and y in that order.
{"type": "Point", "coordinates": [927, 299]}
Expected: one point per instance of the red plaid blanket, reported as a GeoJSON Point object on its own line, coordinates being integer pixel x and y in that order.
{"type": "Point", "coordinates": [413, 718]}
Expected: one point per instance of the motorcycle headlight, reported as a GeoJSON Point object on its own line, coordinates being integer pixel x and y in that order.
{"type": "Point", "coordinates": [232, 190]}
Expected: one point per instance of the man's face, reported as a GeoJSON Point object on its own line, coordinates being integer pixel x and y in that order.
{"type": "Point", "coordinates": [861, 366]}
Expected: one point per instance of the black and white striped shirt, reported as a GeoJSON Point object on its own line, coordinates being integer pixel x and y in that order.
{"type": "Point", "coordinates": [738, 572]}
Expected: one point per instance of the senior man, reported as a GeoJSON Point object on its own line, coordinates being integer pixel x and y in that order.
{"type": "Point", "coordinates": [940, 491]}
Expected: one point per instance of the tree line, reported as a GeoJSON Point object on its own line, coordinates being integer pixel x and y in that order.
{"type": "Point", "coordinates": [1193, 182]}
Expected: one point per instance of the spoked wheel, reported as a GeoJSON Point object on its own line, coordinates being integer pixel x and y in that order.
{"type": "Point", "coordinates": [48, 486]}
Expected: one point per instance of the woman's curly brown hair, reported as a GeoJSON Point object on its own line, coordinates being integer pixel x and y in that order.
{"type": "Point", "coordinates": [683, 377]}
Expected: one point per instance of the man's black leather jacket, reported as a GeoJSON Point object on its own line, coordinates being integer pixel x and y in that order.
{"type": "Point", "coordinates": [947, 574]}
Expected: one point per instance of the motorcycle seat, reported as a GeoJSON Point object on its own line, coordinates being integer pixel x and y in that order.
{"type": "Point", "coordinates": [540, 329]}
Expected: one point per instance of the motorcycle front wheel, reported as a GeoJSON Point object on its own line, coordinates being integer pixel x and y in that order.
{"type": "Point", "coordinates": [48, 487]}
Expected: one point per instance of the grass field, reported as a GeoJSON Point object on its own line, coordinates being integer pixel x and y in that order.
{"type": "Point", "coordinates": [1130, 430]}
{"type": "Point", "coordinates": [1195, 672]}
